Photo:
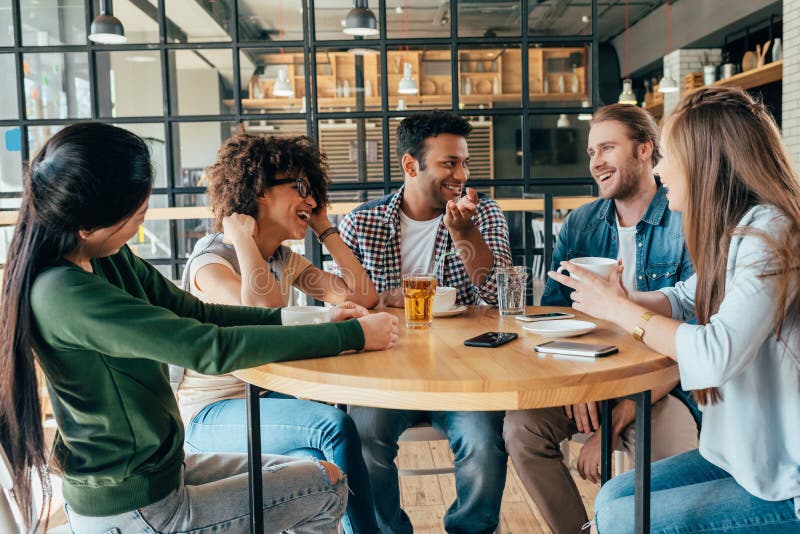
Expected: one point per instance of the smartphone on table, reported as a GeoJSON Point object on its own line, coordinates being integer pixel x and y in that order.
{"type": "Point", "coordinates": [543, 316]}
{"type": "Point", "coordinates": [569, 348]}
{"type": "Point", "coordinates": [491, 339]}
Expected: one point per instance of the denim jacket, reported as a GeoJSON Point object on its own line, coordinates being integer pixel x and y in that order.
{"type": "Point", "coordinates": [661, 256]}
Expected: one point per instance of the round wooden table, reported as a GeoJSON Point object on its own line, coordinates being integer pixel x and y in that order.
{"type": "Point", "coordinates": [433, 370]}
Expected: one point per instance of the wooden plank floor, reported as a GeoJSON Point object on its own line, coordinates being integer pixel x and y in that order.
{"type": "Point", "coordinates": [425, 498]}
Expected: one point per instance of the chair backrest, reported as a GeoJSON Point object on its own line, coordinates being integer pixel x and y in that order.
{"type": "Point", "coordinates": [7, 521]}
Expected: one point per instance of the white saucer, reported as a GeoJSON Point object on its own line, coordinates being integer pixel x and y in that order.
{"type": "Point", "coordinates": [455, 310]}
{"type": "Point", "coordinates": [560, 327]}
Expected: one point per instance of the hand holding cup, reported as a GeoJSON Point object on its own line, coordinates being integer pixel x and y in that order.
{"type": "Point", "coordinates": [593, 294]}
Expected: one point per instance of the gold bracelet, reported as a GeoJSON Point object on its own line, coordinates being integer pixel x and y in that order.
{"type": "Point", "coordinates": [638, 332]}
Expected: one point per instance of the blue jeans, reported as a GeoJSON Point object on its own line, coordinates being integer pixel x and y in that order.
{"type": "Point", "coordinates": [480, 465]}
{"type": "Point", "coordinates": [212, 498]}
{"type": "Point", "coordinates": [690, 494]}
{"type": "Point", "coordinates": [294, 428]}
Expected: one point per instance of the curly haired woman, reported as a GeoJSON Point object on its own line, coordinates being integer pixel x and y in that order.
{"type": "Point", "coordinates": [264, 191]}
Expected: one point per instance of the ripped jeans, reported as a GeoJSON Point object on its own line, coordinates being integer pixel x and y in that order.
{"type": "Point", "coordinates": [213, 497]}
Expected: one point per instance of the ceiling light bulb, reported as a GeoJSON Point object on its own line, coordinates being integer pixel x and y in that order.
{"type": "Point", "coordinates": [359, 51]}
{"type": "Point", "coordinates": [627, 96]}
{"type": "Point", "coordinates": [407, 85]}
{"type": "Point", "coordinates": [585, 116]}
{"type": "Point", "coordinates": [282, 86]}
{"type": "Point", "coordinates": [667, 84]}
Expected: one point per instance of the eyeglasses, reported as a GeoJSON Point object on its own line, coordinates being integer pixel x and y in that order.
{"type": "Point", "coordinates": [303, 187]}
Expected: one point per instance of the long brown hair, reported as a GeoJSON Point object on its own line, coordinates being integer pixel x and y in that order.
{"type": "Point", "coordinates": [87, 176]}
{"type": "Point", "coordinates": [730, 149]}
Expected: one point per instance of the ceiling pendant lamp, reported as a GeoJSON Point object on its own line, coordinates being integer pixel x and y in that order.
{"type": "Point", "coordinates": [563, 121]}
{"type": "Point", "coordinates": [282, 86]}
{"type": "Point", "coordinates": [585, 115]}
{"type": "Point", "coordinates": [360, 20]}
{"type": "Point", "coordinates": [667, 84]}
{"type": "Point", "coordinates": [627, 96]}
{"type": "Point", "coordinates": [407, 85]}
{"type": "Point", "coordinates": [106, 28]}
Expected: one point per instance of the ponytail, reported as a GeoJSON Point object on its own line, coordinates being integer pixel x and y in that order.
{"type": "Point", "coordinates": [21, 432]}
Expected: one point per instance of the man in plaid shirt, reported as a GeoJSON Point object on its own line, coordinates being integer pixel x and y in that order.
{"type": "Point", "coordinates": [432, 217]}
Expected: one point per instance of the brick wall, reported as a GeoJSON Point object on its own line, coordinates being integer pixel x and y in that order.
{"type": "Point", "coordinates": [679, 63]}
{"type": "Point", "coordinates": [791, 77]}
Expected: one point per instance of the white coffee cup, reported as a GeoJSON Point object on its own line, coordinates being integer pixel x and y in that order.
{"type": "Point", "coordinates": [297, 315]}
{"type": "Point", "coordinates": [602, 267]}
{"type": "Point", "coordinates": [444, 299]}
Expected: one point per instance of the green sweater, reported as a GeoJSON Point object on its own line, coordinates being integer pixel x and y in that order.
{"type": "Point", "coordinates": [104, 340]}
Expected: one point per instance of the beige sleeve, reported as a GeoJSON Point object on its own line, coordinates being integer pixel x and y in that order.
{"type": "Point", "coordinates": [200, 262]}
{"type": "Point", "coordinates": [296, 265]}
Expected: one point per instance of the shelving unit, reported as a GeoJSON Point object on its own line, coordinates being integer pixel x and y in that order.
{"type": "Point", "coordinates": [771, 72]}
{"type": "Point", "coordinates": [494, 76]}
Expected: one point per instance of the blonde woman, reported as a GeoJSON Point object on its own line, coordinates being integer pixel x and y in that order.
{"type": "Point", "coordinates": [728, 171]}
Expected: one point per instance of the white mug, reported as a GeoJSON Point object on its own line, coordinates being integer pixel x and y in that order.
{"type": "Point", "coordinates": [297, 315]}
{"type": "Point", "coordinates": [602, 267]}
{"type": "Point", "coordinates": [444, 299]}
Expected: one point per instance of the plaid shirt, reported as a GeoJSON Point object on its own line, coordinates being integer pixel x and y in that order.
{"type": "Point", "coordinates": [372, 231]}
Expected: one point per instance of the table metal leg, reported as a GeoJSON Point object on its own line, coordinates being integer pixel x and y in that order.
{"type": "Point", "coordinates": [605, 441]}
{"type": "Point", "coordinates": [642, 496]}
{"type": "Point", "coordinates": [254, 459]}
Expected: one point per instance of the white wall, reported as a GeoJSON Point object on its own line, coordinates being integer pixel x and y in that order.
{"type": "Point", "coordinates": [791, 77]}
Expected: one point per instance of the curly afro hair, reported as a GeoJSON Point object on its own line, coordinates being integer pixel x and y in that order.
{"type": "Point", "coordinates": [247, 165]}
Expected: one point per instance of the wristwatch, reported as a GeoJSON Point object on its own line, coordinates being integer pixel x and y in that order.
{"type": "Point", "coordinates": [326, 233]}
{"type": "Point", "coordinates": [638, 332]}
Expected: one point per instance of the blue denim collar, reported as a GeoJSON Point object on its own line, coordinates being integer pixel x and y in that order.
{"type": "Point", "coordinates": [653, 215]}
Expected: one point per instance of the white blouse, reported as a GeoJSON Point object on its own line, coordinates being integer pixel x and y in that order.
{"type": "Point", "coordinates": [753, 433]}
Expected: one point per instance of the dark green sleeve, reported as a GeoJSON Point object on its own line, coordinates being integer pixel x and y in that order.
{"type": "Point", "coordinates": [73, 309]}
{"type": "Point", "coordinates": [164, 293]}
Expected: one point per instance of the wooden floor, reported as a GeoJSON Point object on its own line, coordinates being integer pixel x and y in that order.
{"type": "Point", "coordinates": [425, 498]}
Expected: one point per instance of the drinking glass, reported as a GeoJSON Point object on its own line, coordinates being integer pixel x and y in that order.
{"type": "Point", "coordinates": [511, 289]}
{"type": "Point", "coordinates": [418, 293]}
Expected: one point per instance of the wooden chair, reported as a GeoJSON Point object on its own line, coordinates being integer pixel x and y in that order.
{"type": "Point", "coordinates": [8, 521]}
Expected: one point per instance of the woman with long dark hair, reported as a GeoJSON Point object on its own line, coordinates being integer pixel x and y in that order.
{"type": "Point", "coordinates": [265, 191]}
{"type": "Point", "coordinates": [102, 324]}
{"type": "Point", "coordinates": [728, 171]}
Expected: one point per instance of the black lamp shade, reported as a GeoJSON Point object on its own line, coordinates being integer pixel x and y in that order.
{"type": "Point", "coordinates": [361, 21]}
{"type": "Point", "coordinates": [106, 28]}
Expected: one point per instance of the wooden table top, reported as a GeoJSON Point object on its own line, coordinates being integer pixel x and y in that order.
{"type": "Point", "coordinates": [433, 370]}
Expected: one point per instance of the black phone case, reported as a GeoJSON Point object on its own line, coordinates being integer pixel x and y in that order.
{"type": "Point", "coordinates": [494, 341]}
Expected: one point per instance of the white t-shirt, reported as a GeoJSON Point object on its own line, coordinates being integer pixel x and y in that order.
{"type": "Point", "coordinates": [417, 239]}
{"type": "Point", "coordinates": [627, 253]}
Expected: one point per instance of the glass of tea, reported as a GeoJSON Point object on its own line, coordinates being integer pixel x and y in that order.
{"type": "Point", "coordinates": [418, 293]}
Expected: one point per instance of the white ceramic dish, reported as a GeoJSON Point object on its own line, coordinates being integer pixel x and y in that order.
{"type": "Point", "coordinates": [560, 328]}
{"type": "Point", "coordinates": [455, 310]}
